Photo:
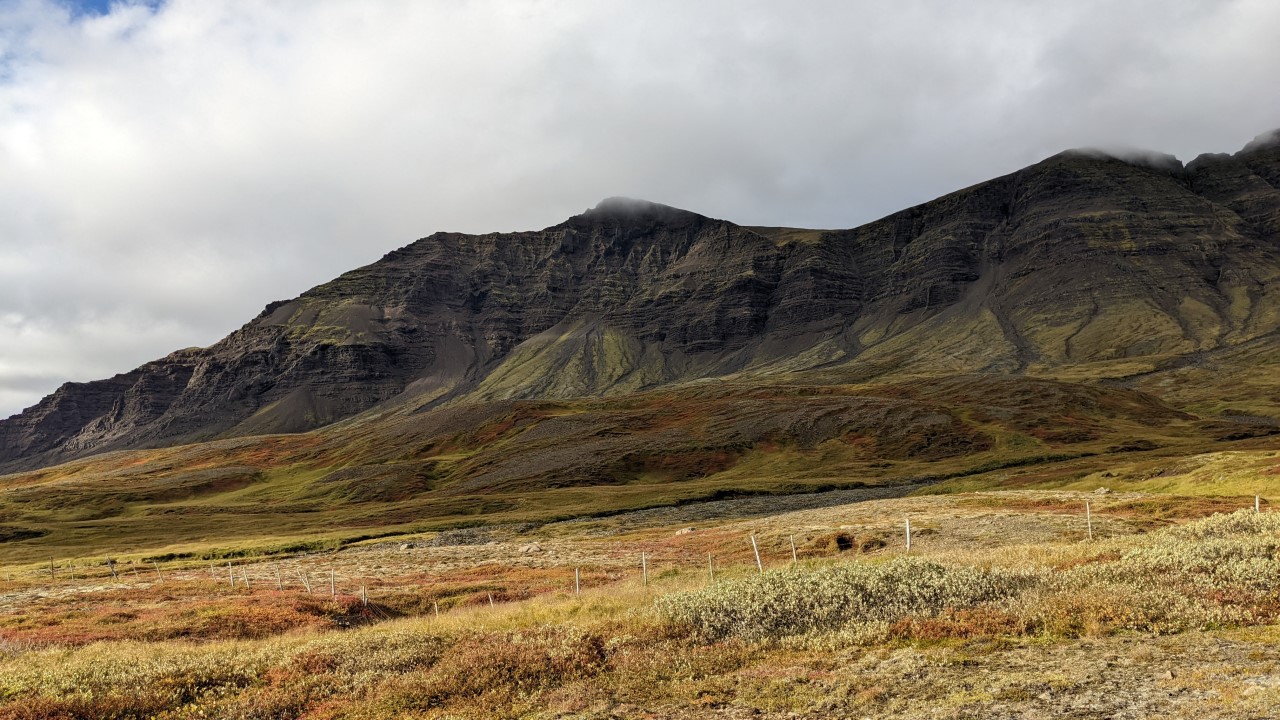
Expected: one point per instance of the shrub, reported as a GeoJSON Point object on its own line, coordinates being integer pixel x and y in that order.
{"type": "Point", "coordinates": [1071, 609]}
{"type": "Point", "coordinates": [1220, 556]}
{"type": "Point", "coordinates": [800, 601]}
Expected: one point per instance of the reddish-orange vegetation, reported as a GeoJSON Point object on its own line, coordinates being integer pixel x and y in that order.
{"type": "Point", "coordinates": [204, 610]}
{"type": "Point", "coordinates": [194, 611]}
{"type": "Point", "coordinates": [960, 624]}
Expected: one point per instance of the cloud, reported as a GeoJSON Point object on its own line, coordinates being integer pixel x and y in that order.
{"type": "Point", "coordinates": [166, 170]}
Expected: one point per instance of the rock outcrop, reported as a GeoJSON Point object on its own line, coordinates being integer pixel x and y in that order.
{"type": "Point", "coordinates": [1082, 259]}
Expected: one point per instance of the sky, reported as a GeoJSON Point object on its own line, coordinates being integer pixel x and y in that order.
{"type": "Point", "coordinates": [169, 168]}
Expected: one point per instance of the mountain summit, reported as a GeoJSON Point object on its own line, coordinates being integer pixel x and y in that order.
{"type": "Point", "coordinates": [624, 209]}
{"type": "Point", "coordinates": [1083, 260]}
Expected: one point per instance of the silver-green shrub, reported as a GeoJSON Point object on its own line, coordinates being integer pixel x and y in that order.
{"type": "Point", "coordinates": [1222, 570]}
{"type": "Point", "coordinates": [1232, 553]}
{"type": "Point", "coordinates": [798, 602]}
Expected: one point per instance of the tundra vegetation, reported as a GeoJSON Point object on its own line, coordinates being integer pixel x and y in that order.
{"type": "Point", "coordinates": [1002, 605]}
{"type": "Point", "coordinates": [492, 475]}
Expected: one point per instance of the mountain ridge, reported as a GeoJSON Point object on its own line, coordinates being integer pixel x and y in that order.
{"type": "Point", "coordinates": [1083, 259]}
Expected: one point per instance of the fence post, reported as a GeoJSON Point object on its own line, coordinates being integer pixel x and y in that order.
{"type": "Point", "coordinates": [159, 574]}
{"type": "Point", "coordinates": [279, 578]}
{"type": "Point", "coordinates": [577, 581]}
{"type": "Point", "coordinates": [794, 558]}
{"type": "Point", "coordinates": [711, 569]}
{"type": "Point", "coordinates": [333, 587]}
{"type": "Point", "coordinates": [435, 604]}
{"type": "Point", "coordinates": [756, 549]}
{"type": "Point", "coordinates": [908, 533]}
{"type": "Point", "coordinates": [364, 595]}
{"type": "Point", "coordinates": [244, 573]}
{"type": "Point", "coordinates": [111, 565]}
{"type": "Point", "coordinates": [644, 568]}
{"type": "Point", "coordinates": [53, 575]}
{"type": "Point", "coordinates": [490, 599]}
{"type": "Point", "coordinates": [306, 583]}
{"type": "Point", "coordinates": [231, 574]}
{"type": "Point", "coordinates": [1088, 518]}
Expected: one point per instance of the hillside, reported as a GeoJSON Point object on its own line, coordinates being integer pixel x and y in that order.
{"type": "Point", "coordinates": [645, 463]}
{"type": "Point", "coordinates": [1082, 315]}
{"type": "Point", "coordinates": [1082, 266]}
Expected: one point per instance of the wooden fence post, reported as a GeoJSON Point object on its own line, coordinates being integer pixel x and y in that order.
{"type": "Point", "coordinates": [756, 549]}
{"type": "Point", "coordinates": [711, 569]}
{"type": "Point", "coordinates": [794, 558]}
{"type": "Point", "coordinates": [1088, 518]}
{"type": "Point", "coordinates": [279, 578]}
{"type": "Point", "coordinates": [1257, 504]}
{"type": "Point", "coordinates": [333, 587]}
{"type": "Point", "coordinates": [644, 568]}
{"type": "Point", "coordinates": [908, 533]}
{"type": "Point", "coordinates": [577, 581]}
{"type": "Point", "coordinates": [231, 575]}
{"type": "Point", "coordinates": [244, 573]}
{"type": "Point", "coordinates": [490, 600]}
{"type": "Point", "coordinates": [53, 575]}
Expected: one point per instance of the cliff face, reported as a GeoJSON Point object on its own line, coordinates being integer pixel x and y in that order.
{"type": "Point", "coordinates": [1080, 261]}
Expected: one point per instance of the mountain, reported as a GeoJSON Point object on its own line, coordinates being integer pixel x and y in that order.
{"type": "Point", "coordinates": [1084, 267]}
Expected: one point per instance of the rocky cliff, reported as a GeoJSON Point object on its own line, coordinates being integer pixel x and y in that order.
{"type": "Point", "coordinates": [1084, 263]}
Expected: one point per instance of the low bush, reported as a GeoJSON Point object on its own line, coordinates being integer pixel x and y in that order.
{"type": "Point", "coordinates": [1218, 571]}
{"type": "Point", "coordinates": [559, 653]}
{"type": "Point", "coordinates": [800, 601]}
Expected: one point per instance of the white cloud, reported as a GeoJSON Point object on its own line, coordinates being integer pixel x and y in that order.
{"type": "Point", "coordinates": [164, 173]}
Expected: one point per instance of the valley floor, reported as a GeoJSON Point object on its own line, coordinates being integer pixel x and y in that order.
{"type": "Point", "coordinates": [1025, 618]}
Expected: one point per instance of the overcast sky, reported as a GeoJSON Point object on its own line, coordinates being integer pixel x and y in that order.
{"type": "Point", "coordinates": [168, 169]}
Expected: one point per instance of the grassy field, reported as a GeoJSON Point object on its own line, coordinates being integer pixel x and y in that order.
{"type": "Point", "coordinates": [1003, 606]}
{"type": "Point", "coordinates": [537, 462]}
{"type": "Point", "coordinates": [555, 559]}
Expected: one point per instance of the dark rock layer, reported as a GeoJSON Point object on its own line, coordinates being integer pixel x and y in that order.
{"type": "Point", "coordinates": [1082, 258]}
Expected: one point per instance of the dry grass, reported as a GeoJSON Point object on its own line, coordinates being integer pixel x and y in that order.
{"type": "Point", "coordinates": [826, 637]}
{"type": "Point", "coordinates": [514, 462]}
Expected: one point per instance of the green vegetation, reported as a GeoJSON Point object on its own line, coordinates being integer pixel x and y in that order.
{"type": "Point", "coordinates": [1217, 571]}
{"type": "Point", "coordinates": [542, 461]}
{"type": "Point", "coordinates": [806, 602]}
{"type": "Point", "coordinates": [812, 639]}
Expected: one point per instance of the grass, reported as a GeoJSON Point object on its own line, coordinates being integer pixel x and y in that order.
{"type": "Point", "coordinates": [994, 577]}
{"type": "Point", "coordinates": [539, 462]}
{"type": "Point", "coordinates": [745, 642]}
{"type": "Point", "coordinates": [1217, 571]}
{"type": "Point", "coordinates": [827, 636]}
